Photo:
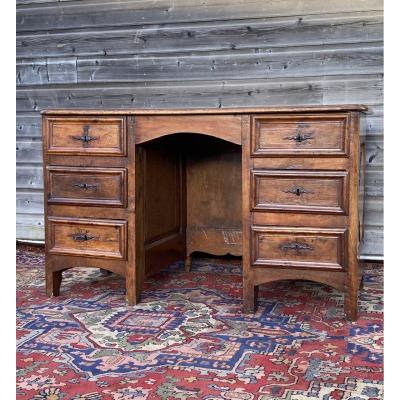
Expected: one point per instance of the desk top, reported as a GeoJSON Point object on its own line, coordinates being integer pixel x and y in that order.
{"type": "Point", "coordinates": [192, 111]}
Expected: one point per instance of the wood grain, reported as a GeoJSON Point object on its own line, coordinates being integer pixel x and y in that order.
{"type": "Point", "coordinates": [88, 136]}
{"type": "Point", "coordinates": [213, 187]}
{"type": "Point", "coordinates": [256, 33]}
{"type": "Point", "coordinates": [300, 135]}
{"type": "Point", "coordinates": [87, 237]}
{"type": "Point", "coordinates": [102, 14]}
{"type": "Point", "coordinates": [364, 89]}
{"type": "Point", "coordinates": [300, 191]}
{"type": "Point", "coordinates": [269, 63]}
{"type": "Point", "coordinates": [298, 247]}
{"type": "Point", "coordinates": [89, 186]}
{"type": "Point", "coordinates": [226, 127]}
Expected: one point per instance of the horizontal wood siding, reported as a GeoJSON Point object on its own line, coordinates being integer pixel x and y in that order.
{"type": "Point", "coordinates": [214, 53]}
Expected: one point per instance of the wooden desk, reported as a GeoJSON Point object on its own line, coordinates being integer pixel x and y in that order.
{"type": "Point", "coordinates": [131, 191]}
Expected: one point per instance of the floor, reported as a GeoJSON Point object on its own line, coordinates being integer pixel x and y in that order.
{"type": "Point", "coordinates": [188, 339]}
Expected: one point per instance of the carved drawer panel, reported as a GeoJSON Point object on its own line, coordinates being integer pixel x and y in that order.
{"type": "Point", "coordinates": [87, 237]}
{"type": "Point", "coordinates": [317, 134]}
{"type": "Point", "coordinates": [290, 247]}
{"type": "Point", "coordinates": [301, 191]}
{"type": "Point", "coordinates": [86, 135]}
{"type": "Point", "coordinates": [87, 186]}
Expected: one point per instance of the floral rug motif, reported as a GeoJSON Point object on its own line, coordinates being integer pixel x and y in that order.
{"type": "Point", "coordinates": [188, 338]}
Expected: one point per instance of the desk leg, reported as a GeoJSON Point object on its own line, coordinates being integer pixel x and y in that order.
{"type": "Point", "coordinates": [250, 295]}
{"type": "Point", "coordinates": [351, 305]}
{"type": "Point", "coordinates": [130, 296]}
{"type": "Point", "coordinates": [188, 262]}
{"type": "Point", "coordinates": [351, 290]}
{"type": "Point", "coordinates": [250, 291]}
{"type": "Point", "coordinates": [53, 282]}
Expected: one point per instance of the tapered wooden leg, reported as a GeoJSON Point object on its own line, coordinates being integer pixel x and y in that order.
{"type": "Point", "coordinates": [351, 305]}
{"type": "Point", "coordinates": [131, 298]}
{"type": "Point", "coordinates": [188, 263]}
{"type": "Point", "coordinates": [250, 295]}
{"type": "Point", "coordinates": [352, 285]}
{"type": "Point", "coordinates": [53, 283]}
{"type": "Point", "coordinates": [132, 290]}
{"type": "Point", "coordinates": [105, 272]}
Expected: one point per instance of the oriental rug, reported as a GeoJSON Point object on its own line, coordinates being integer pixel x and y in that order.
{"type": "Point", "coordinates": [188, 338]}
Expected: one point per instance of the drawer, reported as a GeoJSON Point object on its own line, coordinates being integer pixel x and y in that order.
{"type": "Point", "coordinates": [87, 237]}
{"type": "Point", "coordinates": [305, 134]}
{"type": "Point", "coordinates": [301, 191]}
{"type": "Point", "coordinates": [318, 248]}
{"type": "Point", "coordinates": [87, 186]}
{"type": "Point", "coordinates": [85, 135]}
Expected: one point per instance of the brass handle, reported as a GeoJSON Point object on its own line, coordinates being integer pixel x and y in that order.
{"type": "Point", "coordinates": [85, 138]}
{"type": "Point", "coordinates": [86, 186]}
{"type": "Point", "coordinates": [300, 138]}
{"type": "Point", "coordinates": [82, 236]}
{"type": "Point", "coordinates": [298, 191]}
{"type": "Point", "coordinates": [297, 246]}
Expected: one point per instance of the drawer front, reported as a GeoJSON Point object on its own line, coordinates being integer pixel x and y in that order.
{"type": "Point", "coordinates": [87, 237]}
{"type": "Point", "coordinates": [312, 134]}
{"type": "Point", "coordinates": [86, 135]}
{"type": "Point", "coordinates": [317, 248]}
{"type": "Point", "coordinates": [301, 191]}
{"type": "Point", "coordinates": [87, 186]}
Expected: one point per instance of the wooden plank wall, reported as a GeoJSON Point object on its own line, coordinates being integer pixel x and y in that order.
{"type": "Point", "coordinates": [187, 53]}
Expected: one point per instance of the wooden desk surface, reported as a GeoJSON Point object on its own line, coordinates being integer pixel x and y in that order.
{"type": "Point", "coordinates": [192, 111]}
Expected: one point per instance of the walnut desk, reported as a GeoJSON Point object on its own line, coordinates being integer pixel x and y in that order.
{"type": "Point", "coordinates": [131, 191]}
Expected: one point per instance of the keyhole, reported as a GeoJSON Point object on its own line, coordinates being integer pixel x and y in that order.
{"type": "Point", "coordinates": [298, 192]}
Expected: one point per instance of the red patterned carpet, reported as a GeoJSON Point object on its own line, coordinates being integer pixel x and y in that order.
{"type": "Point", "coordinates": [189, 340]}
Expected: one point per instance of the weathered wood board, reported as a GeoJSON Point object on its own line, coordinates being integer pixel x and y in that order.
{"type": "Point", "coordinates": [214, 53]}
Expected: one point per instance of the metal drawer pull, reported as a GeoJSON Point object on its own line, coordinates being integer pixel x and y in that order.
{"type": "Point", "coordinates": [299, 138]}
{"type": "Point", "coordinates": [297, 246]}
{"type": "Point", "coordinates": [86, 186]}
{"type": "Point", "coordinates": [298, 191]}
{"type": "Point", "coordinates": [85, 138]}
{"type": "Point", "coordinates": [82, 236]}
